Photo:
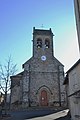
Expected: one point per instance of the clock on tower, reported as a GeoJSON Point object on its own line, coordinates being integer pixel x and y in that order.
{"type": "Point", "coordinates": [43, 57]}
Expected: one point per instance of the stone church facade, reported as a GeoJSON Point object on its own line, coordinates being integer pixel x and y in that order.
{"type": "Point", "coordinates": [41, 82]}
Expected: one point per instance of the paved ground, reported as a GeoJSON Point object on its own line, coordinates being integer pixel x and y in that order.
{"type": "Point", "coordinates": [61, 115]}
{"type": "Point", "coordinates": [42, 114]}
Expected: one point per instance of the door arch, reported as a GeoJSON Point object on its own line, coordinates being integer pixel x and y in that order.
{"type": "Point", "coordinates": [43, 98]}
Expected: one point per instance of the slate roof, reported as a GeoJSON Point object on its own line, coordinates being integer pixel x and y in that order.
{"type": "Point", "coordinates": [73, 66]}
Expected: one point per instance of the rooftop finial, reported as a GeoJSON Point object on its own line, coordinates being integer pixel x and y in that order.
{"type": "Point", "coordinates": [42, 26]}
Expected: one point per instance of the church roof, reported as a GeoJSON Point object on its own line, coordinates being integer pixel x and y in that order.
{"type": "Point", "coordinates": [18, 75]}
{"type": "Point", "coordinates": [42, 31]}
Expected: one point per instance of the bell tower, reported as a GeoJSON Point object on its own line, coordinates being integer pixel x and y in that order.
{"type": "Point", "coordinates": [42, 43]}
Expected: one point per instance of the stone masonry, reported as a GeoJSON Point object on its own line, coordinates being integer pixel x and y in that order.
{"type": "Point", "coordinates": [43, 75]}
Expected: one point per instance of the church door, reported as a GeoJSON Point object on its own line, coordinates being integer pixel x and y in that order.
{"type": "Point", "coordinates": [43, 98]}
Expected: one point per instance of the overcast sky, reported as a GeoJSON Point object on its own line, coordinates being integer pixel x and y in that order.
{"type": "Point", "coordinates": [17, 19]}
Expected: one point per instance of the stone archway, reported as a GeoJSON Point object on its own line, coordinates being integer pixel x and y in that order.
{"type": "Point", "coordinates": [43, 98]}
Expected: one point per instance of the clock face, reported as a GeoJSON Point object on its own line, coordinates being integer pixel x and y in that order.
{"type": "Point", "coordinates": [43, 58]}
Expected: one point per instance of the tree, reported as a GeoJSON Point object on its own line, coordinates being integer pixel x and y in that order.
{"type": "Point", "coordinates": [7, 70]}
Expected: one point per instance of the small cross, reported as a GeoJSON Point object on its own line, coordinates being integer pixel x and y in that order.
{"type": "Point", "coordinates": [42, 26]}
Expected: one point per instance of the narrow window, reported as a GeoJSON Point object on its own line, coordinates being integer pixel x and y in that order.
{"type": "Point", "coordinates": [39, 43]}
{"type": "Point", "coordinates": [47, 43]}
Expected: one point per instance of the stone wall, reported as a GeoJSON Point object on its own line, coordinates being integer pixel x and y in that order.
{"type": "Point", "coordinates": [46, 75]}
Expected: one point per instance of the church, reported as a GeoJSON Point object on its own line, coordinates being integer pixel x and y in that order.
{"type": "Point", "coordinates": [41, 81]}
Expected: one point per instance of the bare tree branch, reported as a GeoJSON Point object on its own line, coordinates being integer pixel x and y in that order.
{"type": "Point", "coordinates": [8, 89]}
{"type": "Point", "coordinates": [2, 75]}
{"type": "Point", "coordinates": [2, 88]}
{"type": "Point", "coordinates": [7, 70]}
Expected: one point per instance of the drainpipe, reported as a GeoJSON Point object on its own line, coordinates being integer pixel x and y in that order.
{"type": "Point", "coordinates": [59, 86]}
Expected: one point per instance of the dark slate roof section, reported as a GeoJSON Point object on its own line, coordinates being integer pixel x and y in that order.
{"type": "Point", "coordinates": [17, 75]}
{"type": "Point", "coordinates": [42, 31]}
{"type": "Point", "coordinates": [78, 62]}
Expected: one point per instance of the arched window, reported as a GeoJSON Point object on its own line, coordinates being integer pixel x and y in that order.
{"type": "Point", "coordinates": [47, 43]}
{"type": "Point", "coordinates": [39, 43]}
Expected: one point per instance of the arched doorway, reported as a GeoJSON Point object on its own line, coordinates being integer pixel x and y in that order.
{"type": "Point", "coordinates": [43, 98]}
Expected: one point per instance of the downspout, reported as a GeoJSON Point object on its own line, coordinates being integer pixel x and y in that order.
{"type": "Point", "coordinates": [59, 86]}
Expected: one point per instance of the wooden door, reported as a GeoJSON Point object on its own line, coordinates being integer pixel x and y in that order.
{"type": "Point", "coordinates": [43, 98]}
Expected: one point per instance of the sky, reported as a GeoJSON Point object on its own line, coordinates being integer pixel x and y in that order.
{"type": "Point", "coordinates": [17, 19]}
